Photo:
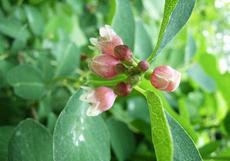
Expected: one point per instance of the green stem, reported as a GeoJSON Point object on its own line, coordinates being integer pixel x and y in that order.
{"type": "Point", "coordinates": [107, 82]}
{"type": "Point", "coordinates": [151, 57]}
{"type": "Point", "coordinates": [139, 89]}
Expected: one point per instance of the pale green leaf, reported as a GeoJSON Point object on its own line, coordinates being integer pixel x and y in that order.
{"type": "Point", "coordinates": [201, 78]}
{"type": "Point", "coordinates": [78, 137]}
{"type": "Point", "coordinates": [123, 22]}
{"type": "Point", "coordinates": [27, 81]}
{"type": "Point", "coordinates": [122, 139]}
{"type": "Point", "coordinates": [143, 44]}
{"type": "Point", "coordinates": [68, 57]}
{"type": "Point", "coordinates": [35, 18]}
{"type": "Point", "coordinates": [30, 142]}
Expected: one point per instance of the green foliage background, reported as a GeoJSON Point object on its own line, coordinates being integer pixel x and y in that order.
{"type": "Point", "coordinates": [44, 58]}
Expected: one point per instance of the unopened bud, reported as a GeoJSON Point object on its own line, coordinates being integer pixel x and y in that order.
{"type": "Point", "coordinates": [104, 66]}
{"type": "Point", "coordinates": [165, 78]}
{"type": "Point", "coordinates": [122, 52]}
{"type": "Point", "coordinates": [143, 65]}
{"type": "Point", "coordinates": [123, 89]}
{"type": "Point", "coordinates": [120, 68]}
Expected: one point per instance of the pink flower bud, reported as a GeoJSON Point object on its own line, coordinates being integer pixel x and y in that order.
{"type": "Point", "coordinates": [122, 52]}
{"type": "Point", "coordinates": [123, 89]}
{"type": "Point", "coordinates": [104, 66]}
{"type": "Point", "coordinates": [101, 99]}
{"type": "Point", "coordinates": [107, 41]}
{"type": "Point", "coordinates": [165, 78]}
{"type": "Point", "coordinates": [143, 65]}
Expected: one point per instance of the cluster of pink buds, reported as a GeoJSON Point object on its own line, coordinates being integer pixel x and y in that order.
{"type": "Point", "coordinates": [113, 53]}
{"type": "Point", "coordinates": [115, 57]}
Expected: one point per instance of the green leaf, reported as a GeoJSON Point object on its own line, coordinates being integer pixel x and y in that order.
{"type": "Point", "coordinates": [199, 76]}
{"type": "Point", "coordinates": [14, 28]}
{"type": "Point", "coordinates": [143, 45]}
{"type": "Point", "coordinates": [30, 142]}
{"type": "Point", "coordinates": [176, 14]}
{"type": "Point", "coordinates": [222, 80]}
{"type": "Point", "coordinates": [184, 148]}
{"type": "Point", "coordinates": [27, 81]}
{"type": "Point", "coordinates": [145, 84]}
{"type": "Point", "coordinates": [5, 66]}
{"type": "Point", "coordinates": [209, 148]}
{"type": "Point", "coordinates": [137, 109]}
{"type": "Point", "coordinates": [36, 21]}
{"type": "Point", "coordinates": [123, 22]}
{"type": "Point", "coordinates": [190, 49]}
{"type": "Point", "coordinates": [122, 139]}
{"type": "Point", "coordinates": [5, 134]}
{"type": "Point", "coordinates": [68, 57]}
{"type": "Point", "coordinates": [161, 136]}
{"type": "Point", "coordinates": [78, 137]}
{"type": "Point", "coordinates": [226, 123]}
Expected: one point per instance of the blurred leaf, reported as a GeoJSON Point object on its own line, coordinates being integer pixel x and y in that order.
{"type": "Point", "coordinates": [27, 81]}
{"type": "Point", "coordinates": [6, 5]}
{"type": "Point", "coordinates": [199, 76]}
{"type": "Point", "coordinates": [223, 155]}
{"type": "Point", "coordinates": [123, 22]}
{"type": "Point", "coordinates": [137, 108]}
{"type": "Point", "coordinates": [143, 128]}
{"type": "Point", "coordinates": [52, 118]}
{"type": "Point", "coordinates": [176, 14]}
{"type": "Point", "coordinates": [207, 149]}
{"type": "Point", "coordinates": [190, 49]}
{"type": "Point", "coordinates": [35, 19]}
{"type": "Point", "coordinates": [3, 43]}
{"type": "Point", "coordinates": [76, 5]}
{"type": "Point", "coordinates": [68, 59]}
{"type": "Point", "coordinates": [154, 8]}
{"type": "Point", "coordinates": [5, 66]}
{"type": "Point", "coordinates": [30, 142]}
{"type": "Point", "coordinates": [227, 123]}
{"type": "Point", "coordinates": [209, 63]}
{"type": "Point", "coordinates": [13, 28]}
{"type": "Point", "coordinates": [35, 1]}
{"type": "Point", "coordinates": [143, 45]}
{"type": "Point", "coordinates": [184, 147]}
{"type": "Point", "coordinates": [5, 135]}
{"type": "Point", "coordinates": [122, 139]}
{"type": "Point", "coordinates": [161, 136]}
{"type": "Point", "coordinates": [82, 137]}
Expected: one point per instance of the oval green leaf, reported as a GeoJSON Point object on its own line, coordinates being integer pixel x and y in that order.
{"type": "Point", "coordinates": [160, 131]}
{"type": "Point", "coordinates": [123, 22]}
{"type": "Point", "coordinates": [78, 137]}
{"type": "Point", "coordinates": [30, 142]}
{"type": "Point", "coordinates": [27, 81]}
